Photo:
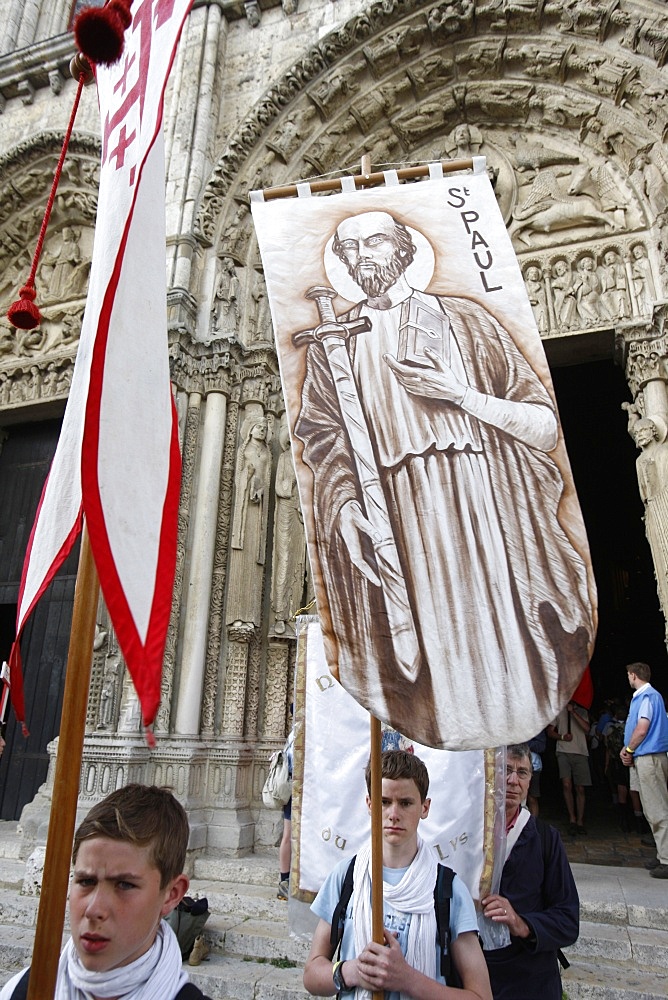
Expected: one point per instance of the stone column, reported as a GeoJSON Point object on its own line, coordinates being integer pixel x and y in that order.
{"type": "Point", "coordinates": [198, 591]}
{"type": "Point", "coordinates": [189, 439]}
{"type": "Point", "coordinates": [28, 26]}
{"type": "Point", "coordinates": [234, 707]}
{"type": "Point", "coordinates": [189, 128]}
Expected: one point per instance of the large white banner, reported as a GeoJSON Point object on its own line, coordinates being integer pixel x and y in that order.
{"type": "Point", "coordinates": [449, 557]}
{"type": "Point", "coordinates": [329, 813]}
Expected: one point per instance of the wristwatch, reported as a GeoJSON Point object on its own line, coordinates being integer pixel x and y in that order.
{"type": "Point", "coordinates": [337, 975]}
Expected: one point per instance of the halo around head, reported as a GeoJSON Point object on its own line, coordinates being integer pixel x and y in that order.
{"type": "Point", "coordinates": [418, 274]}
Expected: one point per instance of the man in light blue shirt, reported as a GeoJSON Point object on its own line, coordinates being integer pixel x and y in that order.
{"type": "Point", "coordinates": [645, 748]}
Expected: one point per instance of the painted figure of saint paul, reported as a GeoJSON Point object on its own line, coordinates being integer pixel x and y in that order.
{"type": "Point", "coordinates": [461, 429]}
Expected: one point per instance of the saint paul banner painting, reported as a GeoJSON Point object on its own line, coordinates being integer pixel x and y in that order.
{"type": "Point", "coordinates": [450, 562]}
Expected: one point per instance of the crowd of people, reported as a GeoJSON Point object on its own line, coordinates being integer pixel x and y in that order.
{"type": "Point", "coordinates": [129, 854]}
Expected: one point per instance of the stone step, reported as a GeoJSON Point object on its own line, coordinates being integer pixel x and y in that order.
{"type": "Point", "coordinates": [224, 978]}
{"type": "Point", "coordinates": [12, 872]}
{"type": "Point", "coordinates": [250, 901]}
{"type": "Point", "coordinates": [258, 939]}
{"type": "Point", "coordinates": [16, 949]}
{"type": "Point", "coordinates": [613, 981]}
{"type": "Point", "coordinates": [647, 947]}
{"type": "Point", "coordinates": [257, 869]}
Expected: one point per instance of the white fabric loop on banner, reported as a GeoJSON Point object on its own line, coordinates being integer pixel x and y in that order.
{"type": "Point", "coordinates": [479, 164]}
{"type": "Point", "coordinates": [391, 177]}
{"type": "Point", "coordinates": [304, 189]}
{"type": "Point", "coordinates": [435, 171]}
{"type": "Point", "coordinates": [348, 184]}
{"type": "Point", "coordinates": [256, 195]}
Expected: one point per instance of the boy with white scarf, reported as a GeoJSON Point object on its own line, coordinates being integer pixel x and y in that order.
{"type": "Point", "coordinates": [128, 859]}
{"type": "Point", "coordinates": [408, 963]}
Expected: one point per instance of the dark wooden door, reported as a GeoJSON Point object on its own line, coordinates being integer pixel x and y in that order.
{"type": "Point", "coordinates": [25, 458]}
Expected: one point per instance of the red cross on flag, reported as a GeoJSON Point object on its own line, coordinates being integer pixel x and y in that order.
{"type": "Point", "coordinates": [118, 459]}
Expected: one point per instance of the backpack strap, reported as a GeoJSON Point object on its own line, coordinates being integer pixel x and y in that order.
{"type": "Point", "coordinates": [339, 915]}
{"type": "Point", "coordinates": [21, 988]}
{"type": "Point", "coordinates": [442, 897]}
{"type": "Point", "coordinates": [189, 992]}
{"type": "Point", "coordinates": [546, 850]}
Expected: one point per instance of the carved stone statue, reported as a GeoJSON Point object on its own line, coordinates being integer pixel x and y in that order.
{"type": "Point", "coordinates": [537, 297]}
{"type": "Point", "coordinates": [108, 692]}
{"type": "Point", "coordinates": [249, 522]}
{"type": "Point", "coordinates": [614, 286]}
{"type": "Point", "coordinates": [587, 286]}
{"type": "Point", "coordinates": [643, 283]}
{"type": "Point", "coordinates": [65, 271]}
{"type": "Point", "coordinates": [226, 304]}
{"type": "Point", "coordinates": [649, 434]}
{"type": "Point", "coordinates": [565, 306]}
{"type": "Point", "coordinates": [651, 182]}
{"type": "Point", "coordinates": [289, 542]}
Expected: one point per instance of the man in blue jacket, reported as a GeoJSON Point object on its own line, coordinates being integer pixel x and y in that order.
{"type": "Point", "coordinates": [645, 748]}
{"type": "Point", "coordinates": [537, 898]}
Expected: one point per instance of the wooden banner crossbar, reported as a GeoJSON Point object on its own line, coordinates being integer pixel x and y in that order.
{"type": "Point", "coordinates": [362, 180]}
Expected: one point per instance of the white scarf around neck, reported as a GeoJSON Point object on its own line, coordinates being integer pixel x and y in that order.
{"type": "Point", "coordinates": [413, 894]}
{"type": "Point", "coordinates": [156, 975]}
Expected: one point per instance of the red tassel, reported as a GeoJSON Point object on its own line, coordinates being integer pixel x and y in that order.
{"type": "Point", "coordinates": [23, 313]}
{"type": "Point", "coordinates": [99, 32]}
{"type": "Point", "coordinates": [150, 738]}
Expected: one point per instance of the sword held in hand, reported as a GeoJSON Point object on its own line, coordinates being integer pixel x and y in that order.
{"type": "Point", "coordinates": [333, 334]}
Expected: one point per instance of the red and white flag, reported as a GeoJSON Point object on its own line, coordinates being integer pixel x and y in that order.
{"type": "Point", "coordinates": [118, 459]}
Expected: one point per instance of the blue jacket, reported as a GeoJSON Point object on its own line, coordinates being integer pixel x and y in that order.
{"type": "Point", "coordinates": [656, 740]}
{"type": "Point", "coordinates": [542, 890]}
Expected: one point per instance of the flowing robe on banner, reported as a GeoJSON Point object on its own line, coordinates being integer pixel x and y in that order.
{"type": "Point", "coordinates": [465, 442]}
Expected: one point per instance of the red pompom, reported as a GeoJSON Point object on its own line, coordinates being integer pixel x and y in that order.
{"type": "Point", "coordinates": [99, 31]}
{"type": "Point", "coordinates": [23, 313]}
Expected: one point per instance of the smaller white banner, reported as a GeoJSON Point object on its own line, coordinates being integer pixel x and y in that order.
{"type": "Point", "coordinates": [330, 816]}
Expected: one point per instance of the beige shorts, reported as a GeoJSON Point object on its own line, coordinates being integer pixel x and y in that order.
{"type": "Point", "coordinates": [576, 767]}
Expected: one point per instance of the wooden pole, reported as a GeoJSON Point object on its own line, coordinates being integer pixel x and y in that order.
{"type": "Point", "coordinates": [62, 818]}
{"type": "Point", "coordinates": [376, 839]}
{"type": "Point", "coordinates": [365, 179]}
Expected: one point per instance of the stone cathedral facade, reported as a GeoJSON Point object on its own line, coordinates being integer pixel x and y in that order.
{"type": "Point", "coordinates": [567, 99]}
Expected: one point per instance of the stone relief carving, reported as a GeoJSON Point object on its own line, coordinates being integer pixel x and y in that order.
{"type": "Point", "coordinates": [289, 547]}
{"type": "Point", "coordinates": [289, 136]}
{"type": "Point", "coordinates": [449, 18]}
{"type": "Point", "coordinates": [548, 207]}
{"type": "Point", "coordinates": [582, 289]}
{"type": "Point", "coordinates": [63, 272]}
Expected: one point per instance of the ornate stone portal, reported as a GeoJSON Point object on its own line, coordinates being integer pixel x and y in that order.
{"type": "Point", "coordinates": [568, 102]}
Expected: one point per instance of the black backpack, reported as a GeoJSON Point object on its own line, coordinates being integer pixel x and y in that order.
{"type": "Point", "coordinates": [187, 992]}
{"type": "Point", "coordinates": [442, 897]}
{"type": "Point", "coordinates": [545, 847]}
